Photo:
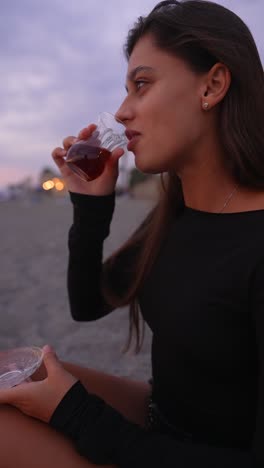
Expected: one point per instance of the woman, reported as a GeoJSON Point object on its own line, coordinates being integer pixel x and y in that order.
{"type": "Point", "coordinates": [193, 112]}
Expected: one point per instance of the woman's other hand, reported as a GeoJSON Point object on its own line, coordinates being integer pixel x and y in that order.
{"type": "Point", "coordinates": [104, 184]}
{"type": "Point", "coordinates": [40, 399]}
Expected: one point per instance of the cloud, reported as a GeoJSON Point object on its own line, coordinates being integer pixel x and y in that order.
{"type": "Point", "coordinates": [62, 63]}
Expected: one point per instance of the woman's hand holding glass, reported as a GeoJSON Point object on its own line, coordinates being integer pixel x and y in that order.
{"type": "Point", "coordinates": [102, 185]}
{"type": "Point", "coordinates": [39, 399]}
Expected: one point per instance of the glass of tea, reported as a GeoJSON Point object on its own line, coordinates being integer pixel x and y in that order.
{"type": "Point", "coordinates": [18, 364]}
{"type": "Point", "coordinates": [87, 158]}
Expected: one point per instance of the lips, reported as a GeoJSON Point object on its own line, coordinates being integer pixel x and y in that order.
{"type": "Point", "coordinates": [132, 136]}
{"type": "Point", "coordinates": [131, 133]}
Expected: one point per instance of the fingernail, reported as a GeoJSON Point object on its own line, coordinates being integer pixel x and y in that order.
{"type": "Point", "coordinates": [47, 349]}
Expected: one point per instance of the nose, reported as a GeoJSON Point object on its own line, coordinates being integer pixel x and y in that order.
{"type": "Point", "coordinates": [124, 113]}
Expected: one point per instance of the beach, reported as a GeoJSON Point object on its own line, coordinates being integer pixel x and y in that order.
{"type": "Point", "coordinates": [33, 301]}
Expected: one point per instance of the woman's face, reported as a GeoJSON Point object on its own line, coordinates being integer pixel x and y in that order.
{"type": "Point", "coordinates": [162, 108]}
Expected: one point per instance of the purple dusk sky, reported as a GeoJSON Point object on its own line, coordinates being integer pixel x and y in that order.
{"type": "Point", "coordinates": [61, 64]}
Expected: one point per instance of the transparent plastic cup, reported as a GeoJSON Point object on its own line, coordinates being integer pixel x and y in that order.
{"type": "Point", "coordinates": [87, 158]}
{"type": "Point", "coordinates": [18, 364]}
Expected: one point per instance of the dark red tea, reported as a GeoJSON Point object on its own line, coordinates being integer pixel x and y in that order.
{"type": "Point", "coordinates": [86, 160]}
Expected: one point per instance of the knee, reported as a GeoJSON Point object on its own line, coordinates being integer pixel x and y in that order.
{"type": "Point", "coordinates": [11, 419]}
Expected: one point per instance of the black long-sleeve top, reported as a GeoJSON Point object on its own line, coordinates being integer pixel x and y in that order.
{"type": "Point", "coordinates": [204, 302]}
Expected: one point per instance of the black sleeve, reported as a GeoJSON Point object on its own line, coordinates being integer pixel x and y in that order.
{"type": "Point", "coordinates": [103, 436]}
{"type": "Point", "coordinates": [257, 308]}
{"type": "Point", "coordinates": [92, 216]}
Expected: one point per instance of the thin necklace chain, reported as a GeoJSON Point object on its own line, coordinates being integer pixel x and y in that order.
{"type": "Point", "coordinates": [228, 199]}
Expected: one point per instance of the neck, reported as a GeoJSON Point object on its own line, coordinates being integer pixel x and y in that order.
{"type": "Point", "coordinates": [206, 183]}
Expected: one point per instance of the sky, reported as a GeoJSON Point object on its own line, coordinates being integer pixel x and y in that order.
{"type": "Point", "coordinates": [62, 63]}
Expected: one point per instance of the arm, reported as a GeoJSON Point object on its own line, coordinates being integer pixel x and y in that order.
{"type": "Point", "coordinates": [91, 225]}
{"type": "Point", "coordinates": [102, 435]}
{"type": "Point", "coordinates": [88, 198]}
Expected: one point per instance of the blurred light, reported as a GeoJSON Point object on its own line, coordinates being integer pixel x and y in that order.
{"type": "Point", "coordinates": [48, 185]}
{"type": "Point", "coordinates": [59, 186]}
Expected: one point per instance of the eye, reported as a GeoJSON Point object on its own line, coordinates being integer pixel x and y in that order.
{"type": "Point", "coordinates": [140, 83]}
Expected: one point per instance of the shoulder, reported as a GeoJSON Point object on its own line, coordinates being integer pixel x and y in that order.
{"type": "Point", "coordinates": [250, 200]}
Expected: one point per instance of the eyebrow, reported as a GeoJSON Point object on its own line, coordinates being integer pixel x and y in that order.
{"type": "Point", "coordinates": [141, 68]}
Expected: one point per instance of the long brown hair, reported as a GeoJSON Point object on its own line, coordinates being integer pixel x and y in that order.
{"type": "Point", "coordinates": [202, 33]}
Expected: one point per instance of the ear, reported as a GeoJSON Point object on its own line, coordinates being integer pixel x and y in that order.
{"type": "Point", "coordinates": [216, 85]}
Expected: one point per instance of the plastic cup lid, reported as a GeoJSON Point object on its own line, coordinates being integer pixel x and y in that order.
{"type": "Point", "coordinates": [16, 365]}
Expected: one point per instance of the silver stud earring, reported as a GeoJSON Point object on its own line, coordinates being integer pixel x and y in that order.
{"type": "Point", "coordinates": [205, 105]}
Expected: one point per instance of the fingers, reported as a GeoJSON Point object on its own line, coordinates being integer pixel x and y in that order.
{"type": "Point", "coordinates": [51, 360]}
{"type": "Point", "coordinates": [116, 155]}
{"type": "Point", "coordinates": [58, 154]}
{"type": "Point", "coordinates": [47, 349]}
{"type": "Point", "coordinates": [68, 142]}
{"type": "Point", "coordinates": [83, 135]}
{"type": "Point", "coordinates": [11, 395]}
{"type": "Point", "coordinates": [86, 132]}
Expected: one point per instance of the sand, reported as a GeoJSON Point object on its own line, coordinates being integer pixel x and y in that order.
{"type": "Point", "coordinates": [33, 297]}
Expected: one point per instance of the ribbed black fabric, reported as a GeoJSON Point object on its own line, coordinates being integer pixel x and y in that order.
{"type": "Point", "coordinates": [103, 436]}
{"type": "Point", "coordinates": [204, 301]}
